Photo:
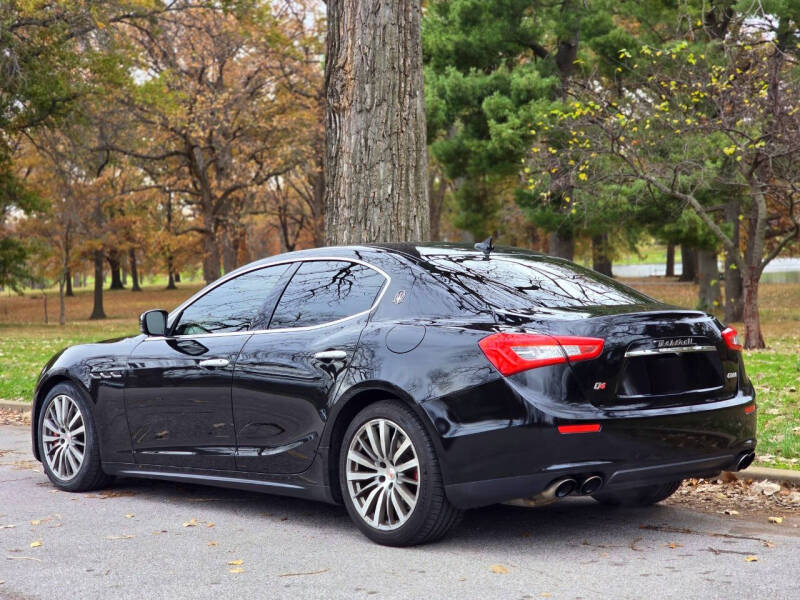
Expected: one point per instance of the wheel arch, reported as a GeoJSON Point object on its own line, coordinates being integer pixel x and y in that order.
{"type": "Point", "coordinates": [345, 410]}
{"type": "Point", "coordinates": [43, 389]}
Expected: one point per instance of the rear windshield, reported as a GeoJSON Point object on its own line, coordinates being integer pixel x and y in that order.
{"type": "Point", "coordinates": [518, 283]}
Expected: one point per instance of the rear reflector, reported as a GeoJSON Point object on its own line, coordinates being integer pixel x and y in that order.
{"type": "Point", "coordinates": [749, 409]}
{"type": "Point", "coordinates": [583, 428]}
{"type": "Point", "coordinates": [731, 338]}
{"type": "Point", "coordinates": [514, 352]}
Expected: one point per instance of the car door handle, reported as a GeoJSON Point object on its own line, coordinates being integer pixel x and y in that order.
{"type": "Point", "coordinates": [331, 355]}
{"type": "Point", "coordinates": [215, 362]}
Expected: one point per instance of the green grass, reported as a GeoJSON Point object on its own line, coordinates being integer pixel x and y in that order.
{"type": "Point", "coordinates": [776, 376]}
{"type": "Point", "coordinates": [25, 349]}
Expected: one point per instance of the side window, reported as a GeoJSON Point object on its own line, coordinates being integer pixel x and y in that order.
{"type": "Point", "coordinates": [322, 291]}
{"type": "Point", "coordinates": [230, 306]}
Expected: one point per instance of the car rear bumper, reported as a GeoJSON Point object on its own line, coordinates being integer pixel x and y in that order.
{"type": "Point", "coordinates": [522, 459]}
{"type": "Point", "coordinates": [491, 491]}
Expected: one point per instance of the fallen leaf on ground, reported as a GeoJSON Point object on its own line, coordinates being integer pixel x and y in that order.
{"type": "Point", "coordinates": [192, 523]}
{"type": "Point", "coordinates": [36, 522]}
{"type": "Point", "coordinates": [730, 511]}
{"type": "Point", "coordinates": [7, 526]}
{"type": "Point", "coordinates": [499, 569]}
{"type": "Point", "coordinates": [776, 520]}
{"type": "Point", "coordinates": [120, 537]}
{"type": "Point", "coordinates": [673, 545]}
{"type": "Point", "coordinates": [236, 570]}
{"type": "Point", "coordinates": [212, 543]}
{"type": "Point", "coordinates": [236, 562]}
{"type": "Point", "coordinates": [209, 524]}
{"type": "Point", "coordinates": [129, 516]}
{"type": "Point", "coordinates": [751, 558]}
{"type": "Point", "coordinates": [36, 544]}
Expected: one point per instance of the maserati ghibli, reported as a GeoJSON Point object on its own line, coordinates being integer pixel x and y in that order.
{"type": "Point", "coordinates": [408, 382]}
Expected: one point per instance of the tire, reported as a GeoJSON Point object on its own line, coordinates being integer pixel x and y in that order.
{"type": "Point", "coordinates": [641, 496]}
{"type": "Point", "coordinates": [365, 484]}
{"type": "Point", "coordinates": [64, 467]}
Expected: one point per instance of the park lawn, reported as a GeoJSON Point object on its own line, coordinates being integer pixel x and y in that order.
{"type": "Point", "coordinates": [26, 344]}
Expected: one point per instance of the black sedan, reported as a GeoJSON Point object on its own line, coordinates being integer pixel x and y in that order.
{"type": "Point", "coordinates": [408, 382]}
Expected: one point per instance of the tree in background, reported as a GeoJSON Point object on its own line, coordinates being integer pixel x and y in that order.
{"type": "Point", "coordinates": [376, 157]}
{"type": "Point", "coordinates": [703, 120]}
{"type": "Point", "coordinates": [53, 54]}
{"type": "Point", "coordinates": [212, 112]}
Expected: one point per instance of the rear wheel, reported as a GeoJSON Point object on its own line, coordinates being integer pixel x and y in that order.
{"type": "Point", "coordinates": [390, 478]}
{"type": "Point", "coordinates": [68, 441]}
{"type": "Point", "coordinates": [640, 496]}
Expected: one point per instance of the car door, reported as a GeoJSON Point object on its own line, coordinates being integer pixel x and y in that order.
{"type": "Point", "coordinates": [285, 376]}
{"type": "Point", "coordinates": [178, 388]}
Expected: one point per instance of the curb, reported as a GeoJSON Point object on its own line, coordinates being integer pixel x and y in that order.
{"type": "Point", "coordinates": [765, 473]}
{"type": "Point", "coordinates": [15, 406]}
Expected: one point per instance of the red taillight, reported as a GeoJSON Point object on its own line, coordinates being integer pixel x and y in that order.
{"type": "Point", "coordinates": [583, 428]}
{"type": "Point", "coordinates": [731, 338]}
{"type": "Point", "coordinates": [514, 352]}
{"type": "Point", "coordinates": [749, 409]}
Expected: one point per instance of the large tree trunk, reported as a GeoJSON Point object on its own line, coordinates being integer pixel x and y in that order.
{"type": "Point", "coordinates": [670, 260]}
{"type": "Point", "coordinates": [688, 263]}
{"type": "Point", "coordinates": [97, 309]}
{"type": "Point", "coordinates": [68, 282]}
{"type": "Point", "coordinates": [562, 245]}
{"type": "Point", "coordinates": [376, 158]}
{"type": "Point", "coordinates": [734, 306]}
{"type": "Point", "coordinates": [115, 266]}
{"type": "Point", "coordinates": [752, 320]}
{"type": "Point", "coordinates": [708, 272]}
{"type": "Point", "coordinates": [135, 287]}
{"type": "Point", "coordinates": [600, 254]}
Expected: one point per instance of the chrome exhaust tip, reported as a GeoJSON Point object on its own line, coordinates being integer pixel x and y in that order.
{"type": "Point", "coordinates": [591, 484]}
{"type": "Point", "coordinates": [564, 488]}
{"type": "Point", "coordinates": [745, 461]}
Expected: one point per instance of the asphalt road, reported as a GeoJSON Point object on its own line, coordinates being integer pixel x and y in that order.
{"type": "Point", "coordinates": [144, 539]}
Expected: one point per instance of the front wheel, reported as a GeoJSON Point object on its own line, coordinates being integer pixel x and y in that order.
{"type": "Point", "coordinates": [640, 496]}
{"type": "Point", "coordinates": [68, 441]}
{"type": "Point", "coordinates": [390, 478]}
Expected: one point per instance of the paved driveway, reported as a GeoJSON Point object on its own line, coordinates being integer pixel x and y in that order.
{"type": "Point", "coordinates": [145, 539]}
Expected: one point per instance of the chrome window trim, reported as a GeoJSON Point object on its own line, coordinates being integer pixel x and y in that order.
{"type": "Point", "coordinates": [670, 350]}
{"type": "Point", "coordinates": [199, 294]}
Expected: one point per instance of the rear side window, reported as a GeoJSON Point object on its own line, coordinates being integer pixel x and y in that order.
{"type": "Point", "coordinates": [520, 283]}
{"type": "Point", "coordinates": [322, 291]}
{"type": "Point", "coordinates": [230, 306]}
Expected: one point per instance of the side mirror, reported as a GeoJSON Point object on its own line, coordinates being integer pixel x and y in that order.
{"type": "Point", "coordinates": [153, 322]}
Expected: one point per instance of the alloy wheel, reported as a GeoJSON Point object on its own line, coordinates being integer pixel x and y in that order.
{"type": "Point", "coordinates": [64, 437]}
{"type": "Point", "coordinates": [383, 474]}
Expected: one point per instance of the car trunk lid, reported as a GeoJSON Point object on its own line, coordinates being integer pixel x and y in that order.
{"type": "Point", "coordinates": [652, 356]}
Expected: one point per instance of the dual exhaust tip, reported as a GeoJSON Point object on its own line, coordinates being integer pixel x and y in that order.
{"type": "Point", "coordinates": [565, 487]}
{"type": "Point", "coordinates": [745, 461]}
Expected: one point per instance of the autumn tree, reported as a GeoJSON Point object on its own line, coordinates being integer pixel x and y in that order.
{"type": "Point", "coordinates": [53, 55]}
{"type": "Point", "coordinates": [376, 156]}
{"type": "Point", "coordinates": [215, 116]}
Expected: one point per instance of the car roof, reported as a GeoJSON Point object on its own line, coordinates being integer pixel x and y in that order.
{"type": "Point", "coordinates": [419, 252]}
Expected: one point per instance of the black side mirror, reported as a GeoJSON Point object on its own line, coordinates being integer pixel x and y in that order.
{"type": "Point", "coordinates": [153, 322]}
